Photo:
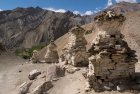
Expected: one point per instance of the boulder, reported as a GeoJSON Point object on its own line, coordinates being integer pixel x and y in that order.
{"type": "Point", "coordinates": [54, 72]}
{"type": "Point", "coordinates": [33, 74]}
{"type": "Point", "coordinates": [24, 88]}
{"type": "Point", "coordinates": [43, 88]}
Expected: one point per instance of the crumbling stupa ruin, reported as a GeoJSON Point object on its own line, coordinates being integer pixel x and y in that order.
{"type": "Point", "coordinates": [34, 57]}
{"type": "Point", "coordinates": [112, 62]}
{"type": "Point", "coordinates": [52, 54]}
{"type": "Point", "coordinates": [75, 51]}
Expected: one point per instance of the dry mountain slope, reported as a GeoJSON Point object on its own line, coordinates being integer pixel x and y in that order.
{"type": "Point", "coordinates": [131, 30]}
{"type": "Point", "coordinates": [123, 7]}
{"type": "Point", "coordinates": [26, 27]}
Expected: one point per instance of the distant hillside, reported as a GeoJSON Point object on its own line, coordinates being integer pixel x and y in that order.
{"type": "Point", "coordinates": [27, 27]}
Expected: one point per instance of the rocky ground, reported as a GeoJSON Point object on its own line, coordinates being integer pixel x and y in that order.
{"type": "Point", "coordinates": [14, 71]}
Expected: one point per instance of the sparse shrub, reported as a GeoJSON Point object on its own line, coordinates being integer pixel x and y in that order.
{"type": "Point", "coordinates": [27, 53]}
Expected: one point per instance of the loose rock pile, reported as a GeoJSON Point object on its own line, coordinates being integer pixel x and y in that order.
{"type": "Point", "coordinates": [41, 81]}
{"type": "Point", "coordinates": [112, 63]}
{"type": "Point", "coordinates": [75, 51]}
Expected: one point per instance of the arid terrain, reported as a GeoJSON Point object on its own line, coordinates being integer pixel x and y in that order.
{"type": "Point", "coordinates": [44, 26]}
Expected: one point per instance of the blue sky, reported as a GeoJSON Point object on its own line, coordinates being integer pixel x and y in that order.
{"type": "Point", "coordinates": [80, 6]}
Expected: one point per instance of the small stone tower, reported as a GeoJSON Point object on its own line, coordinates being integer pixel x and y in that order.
{"type": "Point", "coordinates": [112, 62]}
{"type": "Point", "coordinates": [51, 54]}
{"type": "Point", "coordinates": [75, 51]}
{"type": "Point", "coordinates": [34, 58]}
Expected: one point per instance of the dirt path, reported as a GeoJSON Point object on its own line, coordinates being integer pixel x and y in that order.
{"type": "Point", "coordinates": [10, 77]}
{"type": "Point", "coordinates": [70, 84]}
{"type": "Point", "coordinates": [9, 66]}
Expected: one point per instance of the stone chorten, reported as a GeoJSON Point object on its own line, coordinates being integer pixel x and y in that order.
{"type": "Point", "coordinates": [52, 54]}
{"type": "Point", "coordinates": [75, 51]}
{"type": "Point", "coordinates": [34, 58]}
{"type": "Point", "coordinates": [112, 62]}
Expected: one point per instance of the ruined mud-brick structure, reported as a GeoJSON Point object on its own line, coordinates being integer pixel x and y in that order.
{"type": "Point", "coordinates": [51, 54]}
{"type": "Point", "coordinates": [75, 51]}
{"type": "Point", "coordinates": [34, 58]}
{"type": "Point", "coordinates": [112, 62]}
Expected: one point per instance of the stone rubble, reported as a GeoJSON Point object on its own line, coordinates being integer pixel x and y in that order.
{"type": "Point", "coordinates": [40, 82]}
{"type": "Point", "coordinates": [112, 62]}
{"type": "Point", "coordinates": [75, 51]}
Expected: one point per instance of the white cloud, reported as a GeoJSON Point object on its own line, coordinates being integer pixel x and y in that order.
{"type": "Point", "coordinates": [131, 1]}
{"type": "Point", "coordinates": [76, 12]}
{"type": "Point", "coordinates": [97, 10]}
{"type": "Point", "coordinates": [56, 10]}
{"type": "Point", "coordinates": [88, 13]}
{"type": "Point", "coordinates": [0, 9]}
{"type": "Point", "coordinates": [109, 3]}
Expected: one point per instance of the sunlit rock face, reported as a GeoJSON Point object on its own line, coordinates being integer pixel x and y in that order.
{"type": "Point", "coordinates": [112, 61]}
{"type": "Point", "coordinates": [75, 51]}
